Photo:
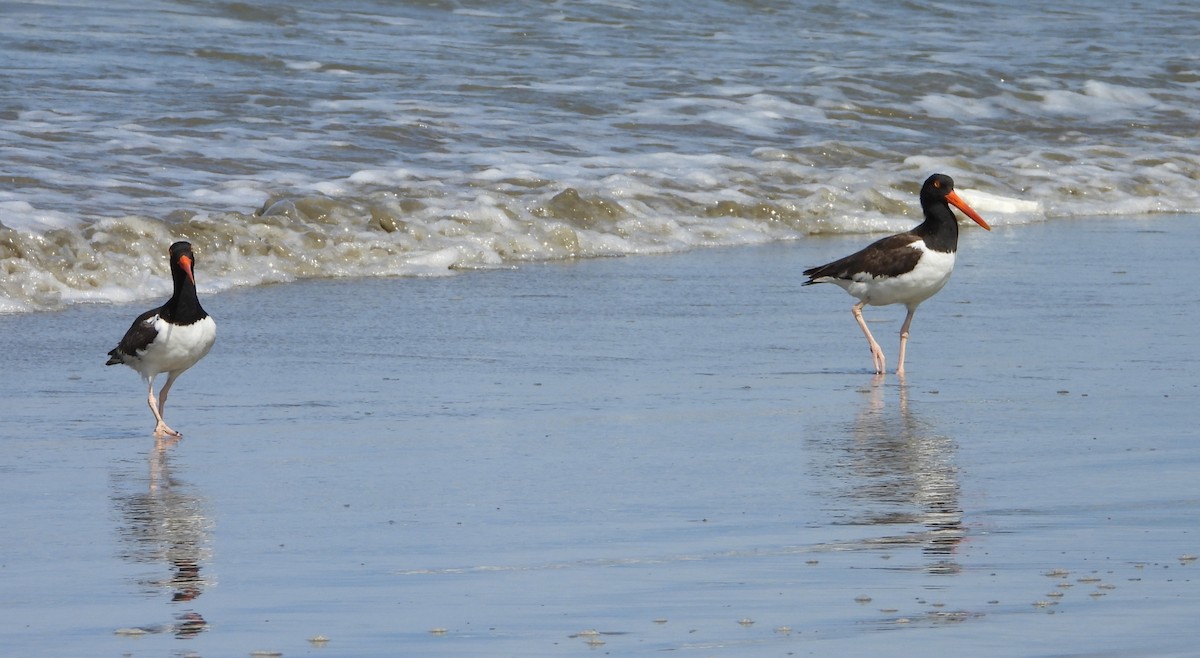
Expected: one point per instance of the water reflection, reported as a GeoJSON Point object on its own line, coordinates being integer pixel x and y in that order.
{"type": "Point", "coordinates": [162, 524]}
{"type": "Point", "coordinates": [899, 470]}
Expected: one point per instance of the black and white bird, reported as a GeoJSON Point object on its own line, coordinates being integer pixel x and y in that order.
{"type": "Point", "coordinates": [170, 338]}
{"type": "Point", "coordinates": [906, 268]}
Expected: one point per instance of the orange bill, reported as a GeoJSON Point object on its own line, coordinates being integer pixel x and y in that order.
{"type": "Point", "coordinates": [957, 201]}
{"type": "Point", "coordinates": [186, 264]}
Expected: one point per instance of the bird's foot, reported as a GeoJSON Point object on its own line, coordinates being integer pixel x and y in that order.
{"type": "Point", "coordinates": [880, 362]}
{"type": "Point", "coordinates": [161, 431]}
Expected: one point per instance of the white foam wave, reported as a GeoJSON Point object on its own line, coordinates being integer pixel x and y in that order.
{"type": "Point", "coordinates": [22, 215]}
{"type": "Point", "coordinates": [986, 202]}
{"type": "Point", "coordinates": [410, 221]}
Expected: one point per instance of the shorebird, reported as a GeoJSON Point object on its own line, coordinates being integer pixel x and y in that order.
{"type": "Point", "coordinates": [170, 338]}
{"type": "Point", "coordinates": [906, 268]}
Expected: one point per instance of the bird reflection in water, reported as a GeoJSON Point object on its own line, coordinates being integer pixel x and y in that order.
{"type": "Point", "coordinates": [162, 523]}
{"type": "Point", "coordinates": [901, 471]}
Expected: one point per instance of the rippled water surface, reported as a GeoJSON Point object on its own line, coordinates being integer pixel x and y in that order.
{"type": "Point", "coordinates": [308, 139]}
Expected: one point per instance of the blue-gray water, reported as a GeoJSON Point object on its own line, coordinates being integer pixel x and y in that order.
{"type": "Point", "coordinates": [310, 139]}
{"type": "Point", "coordinates": [654, 448]}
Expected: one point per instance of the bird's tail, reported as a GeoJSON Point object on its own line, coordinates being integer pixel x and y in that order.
{"type": "Point", "coordinates": [814, 273]}
{"type": "Point", "coordinates": [114, 357]}
{"type": "Point", "coordinates": [823, 273]}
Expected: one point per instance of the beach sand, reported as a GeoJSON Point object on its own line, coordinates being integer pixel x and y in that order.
{"type": "Point", "coordinates": [683, 453]}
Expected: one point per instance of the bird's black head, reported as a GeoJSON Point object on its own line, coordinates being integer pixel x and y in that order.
{"type": "Point", "coordinates": [936, 187]}
{"type": "Point", "coordinates": [182, 259]}
{"type": "Point", "coordinates": [939, 189]}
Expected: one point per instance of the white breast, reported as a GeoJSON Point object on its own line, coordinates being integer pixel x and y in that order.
{"type": "Point", "coordinates": [177, 348]}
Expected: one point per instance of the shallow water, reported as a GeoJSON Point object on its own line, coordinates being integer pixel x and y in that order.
{"type": "Point", "coordinates": [683, 453]}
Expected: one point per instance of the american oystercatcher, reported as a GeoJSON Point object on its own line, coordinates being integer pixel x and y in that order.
{"type": "Point", "coordinates": [170, 338]}
{"type": "Point", "coordinates": [906, 268]}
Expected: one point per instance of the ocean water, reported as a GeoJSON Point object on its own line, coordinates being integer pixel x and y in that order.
{"type": "Point", "coordinates": [303, 139]}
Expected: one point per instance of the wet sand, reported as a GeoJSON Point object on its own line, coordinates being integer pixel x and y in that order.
{"type": "Point", "coordinates": [681, 453]}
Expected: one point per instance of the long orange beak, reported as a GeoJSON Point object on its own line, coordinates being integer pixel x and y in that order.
{"type": "Point", "coordinates": [186, 263]}
{"type": "Point", "coordinates": [958, 203]}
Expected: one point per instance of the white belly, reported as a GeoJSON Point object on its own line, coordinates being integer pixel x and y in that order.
{"type": "Point", "coordinates": [177, 348]}
{"type": "Point", "coordinates": [924, 281]}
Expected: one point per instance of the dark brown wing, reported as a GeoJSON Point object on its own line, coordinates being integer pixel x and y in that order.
{"type": "Point", "coordinates": [140, 335]}
{"type": "Point", "coordinates": [890, 256]}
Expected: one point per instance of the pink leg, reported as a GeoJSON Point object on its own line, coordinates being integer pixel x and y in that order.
{"type": "Point", "coordinates": [904, 338]}
{"type": "Point", "coordinates": [876, 352]}
{"type": "Point", "coordinates": [160, 428]}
